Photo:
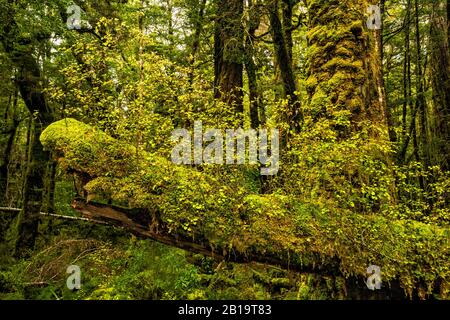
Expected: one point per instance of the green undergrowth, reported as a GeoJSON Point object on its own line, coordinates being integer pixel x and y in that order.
{"type": "Point", "coordinates": [136, 269]}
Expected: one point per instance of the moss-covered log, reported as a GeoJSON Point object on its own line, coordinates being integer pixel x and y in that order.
{"type": "Point", "coordinates": [186, 205]}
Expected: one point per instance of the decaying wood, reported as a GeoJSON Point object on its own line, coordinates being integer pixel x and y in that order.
{"type": "Point", "coordinates": [139, 223]}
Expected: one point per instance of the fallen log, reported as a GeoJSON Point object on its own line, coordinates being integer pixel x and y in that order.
{"type": "Point", "coordinates": [135, 222]}
{"type": "Point", "coordinates": [122, 218]}
{"type": "Point", "coordinates": [186, 208]}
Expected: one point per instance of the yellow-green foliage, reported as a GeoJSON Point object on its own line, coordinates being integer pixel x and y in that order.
{"type": "Point", "coordinates": [235, 219]}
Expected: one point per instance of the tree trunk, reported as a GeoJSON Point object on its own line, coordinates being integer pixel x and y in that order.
{"type": "Point", "coordinates": [250, 67]}
{"type": "Point", "coordinates": [421, 104]}
{"type": "Point", "coordinates": [198, 22]}
{"type": "Point", "coordinates": [11, 132]}
{"type": "Point", "coordinates": [381, 83]}
{"type": "Point", "coordinates": [270, 229]}
{"type": "Point", "coordinates": [4, 165]}
{"type": "Point", "coordinates": [284, 62]}
{"type": "Point", "coordinates": [344, 74]}
{"type": "Point", "coordinates": [29, 84]}
{"type": "Point", "coordinates": [229, 53]}
{"type": "Point", "coordinates": [407, 91]}
{"type": "Point", "coordinates": [4, 174]}
{"type": "Point", "coordinates": [287, 9]}
{"type": "Point", "coordinates": [440, 74]}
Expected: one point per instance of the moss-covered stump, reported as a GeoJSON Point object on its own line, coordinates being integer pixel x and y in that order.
{"type": "Point", "coordinates": [241, 225]}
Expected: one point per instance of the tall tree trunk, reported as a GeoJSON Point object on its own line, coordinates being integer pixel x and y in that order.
{"type": "Point", "coordinates": [4, 165]}
{"type": "Point", "coordinates": [250, 66]}
{"type": "Point", "coordinates": [381, 83]}
{"type": "Point", "coordinates": [229, 53]}
{"type": "Point", "coordinates": [440, 74]}
{"type": "Point", "coordinates": [448, 22]}
{"type": "Point", "coordinates": [407, 90]}
{"type": "Point", "coordinates": [38, 158]}
{"type": "Point", "coordinates": [29, 84]}
{"type": "Point", "coordinates": [287, 9]}
{"type": "Point", "coordinates": [198, 23]}
{"type": "Point", "coordinates": [406, 71]}
{"type": "Point", "coordinates": [343, 74]}
{"type": "Point", "coordinates": [295, 115]}
{"type": "Point", "coordinates": [11, 132]}
{"type": "Point", "coordinates": [421, 104]}
{"type": "Point", "coordinates": [4, 174]}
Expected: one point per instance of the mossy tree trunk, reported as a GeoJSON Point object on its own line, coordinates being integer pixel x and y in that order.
{"type": "Point", "coordinates": [344, 65]}
{"type": "Point", "coordinates": [283, 52]}
{"type": "Point", "coordinates": [38, 158]}
{"type": "Point", "coordinates": [229, 53]}
{"type": "Point", "coordinates": [29, 84]}
{"type": "Point", "coordinates": [345, 76]}
{"type": "Point", "coordinates": [4, 166]}
{"type": "Point", "coordinates": [440, 66]}
{"type": "Point", "coordinates": [164, 200]}
{"type": "Point", "coordinates": [10, 132]}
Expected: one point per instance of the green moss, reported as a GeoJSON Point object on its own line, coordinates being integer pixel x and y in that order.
{"type": "Point", "coordinates": [197, 205]}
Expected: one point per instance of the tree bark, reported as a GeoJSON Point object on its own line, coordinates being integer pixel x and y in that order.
{"type": "Point", "coordinates": [198, 23]}
{"type": "Point", "coordinates": [284, 62]}
{"type": "Point", "coordinates": [407, 91]}
{"type": "Point", "coordinates": [440, 74]}
{"type": "Point", "coordinates": [11, 132]}
{"type": "Point", "coordinates": [29, 84]}
{"type": "Point", "coordinates": [421, 104]}
{"type": "Point", "coordinates": [287, 9]}
{"type": "Point", "coordinates": [343, 74]}
{"type": "Point", "coordinates": [251, 68]}
{"type": "Point", "coordinates": [229, 53]}
{"type": "Point", "coordinates": [381, 83]}
{"type": "Point", "coordinates": [4, 172]}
